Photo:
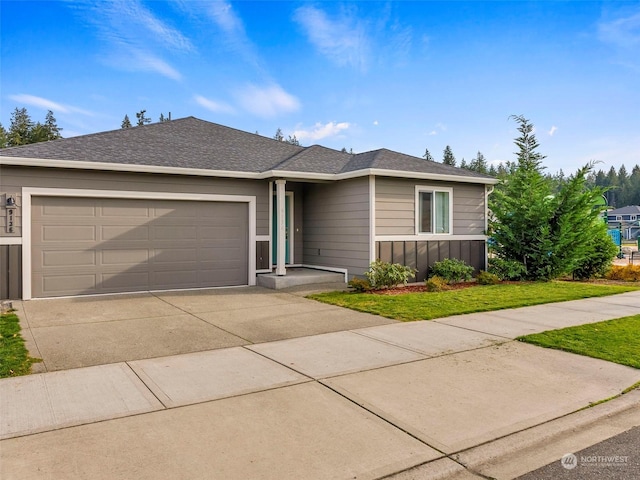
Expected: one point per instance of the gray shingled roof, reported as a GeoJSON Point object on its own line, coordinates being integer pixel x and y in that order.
{"type": "Point", "coordinates": [198, 144]}
{"type": "Point", "coordinates": [628, 210]}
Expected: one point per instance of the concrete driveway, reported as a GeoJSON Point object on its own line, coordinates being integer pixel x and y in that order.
{"type": "Point", "coordinates": [454, 398]}
{"type": "Point", "coordinates": [84, 331]}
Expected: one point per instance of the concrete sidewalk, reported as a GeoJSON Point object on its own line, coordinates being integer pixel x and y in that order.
{"type": "Point", "coordinates": [449, 398]}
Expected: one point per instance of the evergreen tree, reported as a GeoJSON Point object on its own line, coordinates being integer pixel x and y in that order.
{"type": "Point", "coordinates": [550, 235]}
{"type": "Point", "coordinates": [279, 136]}
{"type": "Point", "coordinates": [292, 140]}
{"type": "Point", "coordinates": [612, 185]}
{"type": "Point", "coordinates": [427, 156]}
{"type": "Point", "coordinates": [463, 164]}
{"type": "Point", "coordinates": [4, 137]}
{"type": "Point", "coordinates": [479, 164]}
{"type": "Point", "coordinates": [447, 157]}
{"type": "Point", "coordinates": [20, 129]}
{"type": "Point", "coordinates": [51, 126]}
{"type": "Point", "coordinates": [493, 171]}
{"type": "Point", "coordinates": [142, 119]}
{"type": "Point", "coordinates": [126, 123]}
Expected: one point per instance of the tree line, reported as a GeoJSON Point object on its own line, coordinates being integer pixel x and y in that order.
{"type": "Point", "coordinates": [23, 130]}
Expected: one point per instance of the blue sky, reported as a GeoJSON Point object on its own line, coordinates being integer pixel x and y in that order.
{"type": "Point", "coordinates": [403, 75]}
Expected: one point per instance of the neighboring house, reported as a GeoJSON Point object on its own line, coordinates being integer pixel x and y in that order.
{"type": "Point", "coordinates": [625, 215]}
{"type": "Point", "coordinates": [189, 204]}
{"type": "Point", "coordinates": [627, 219]}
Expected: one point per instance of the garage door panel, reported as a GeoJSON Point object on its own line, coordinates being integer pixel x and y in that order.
{"type": "Point", "coordinates": [66, 258]}
{"type": "Point", "coordinates": [92, 245]}
{"type": "Point", "coordinates": [124, 257]}
{"type": "Point", "coordinates": [122, 281]}
{"type": "Point", "coordinates": [60, 284]}
{"type": "Point", "coordinates": [67, 233]}
{"type": "Point", "coordinates": [121, 233]}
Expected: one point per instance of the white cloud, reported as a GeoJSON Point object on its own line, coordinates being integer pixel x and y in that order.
{"type": "Point", "coordinates": [135, 37]}
{"type": "Point", "coordinates": [46, 104]}
{"type": "Point", "coordinates": [343, 40]}
{"type": "Point", "coordinates": [320, 131]}
{"type": "Point", "coordinates": [375, 122]}
{"type": "Point", "coordinates": [623, 31]}
{"type": "Point", "coordinates": [217, 107]}
{"type": "Point", "coordinates": [148, 62]}
{"type": "Point", "coordinates": [553, 130]}
{"type": "Point", "coordinates": [268, 101]}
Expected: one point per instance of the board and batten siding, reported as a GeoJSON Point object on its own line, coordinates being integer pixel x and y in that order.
{"type": "Point", "coordinates": [336, 225]}
{"type": "Point", "coordinates": [395, 206]}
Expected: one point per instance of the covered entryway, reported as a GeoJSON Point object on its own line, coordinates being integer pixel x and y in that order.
{"type": "Point", "coordinates": [109, 245]}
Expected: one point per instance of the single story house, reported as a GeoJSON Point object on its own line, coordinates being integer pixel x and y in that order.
{"type": "Point", "coordinates": [189, 204]}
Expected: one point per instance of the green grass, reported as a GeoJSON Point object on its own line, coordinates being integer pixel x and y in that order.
{"type": "Point", "coordinates": [14, 357]}
{"type": "Point", "coordinates": [615, 340]}
{"type": "Point", "coordinates": [425, 306]}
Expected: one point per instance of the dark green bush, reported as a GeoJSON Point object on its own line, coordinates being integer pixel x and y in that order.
{"type": "Point", "coordinates": [506, 269]}
{"type": "Point", "coordinates": [386, 275]}
{"type": "Point", "coordinates": [452, 270]}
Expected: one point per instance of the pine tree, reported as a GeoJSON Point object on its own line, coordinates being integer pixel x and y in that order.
{"type": "Point", "coordinates": [51, 126]}
{"type": "Point", "coordinates": [427, 155]}
{"type": "Point", "coordinates": [448, 158]}
{"type": "Point", "coordinates": [479, 164]}
{"type": "Point", "coordinates": [4, 137]}
{"type": "Point", "coordinates": [292, 140]}
{"type": "Point", "coordinates": [126, 123]}
{"type": "Point", "coordinates": [279, 136]}
{"type": "Point", "coordinates": [550, 235]}
{"type": "Point", "coordinates": [20, 129]}
{"type": "Point", "coordinates": [142, 119]}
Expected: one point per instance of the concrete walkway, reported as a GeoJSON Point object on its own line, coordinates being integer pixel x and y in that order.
{"type": "Point", "coordinates": [327, 393]}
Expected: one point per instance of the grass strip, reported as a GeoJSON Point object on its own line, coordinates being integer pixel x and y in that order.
{"type": "Point", "coordinates": [14, 357]}
{"type": "Point", "coordinates": [616, 340]}
{"type": "Point", "coordinates": [484, 298]}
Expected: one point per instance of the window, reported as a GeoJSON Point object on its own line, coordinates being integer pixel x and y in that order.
{"type": "Point", "coordinates": [633, 218]}
{"type": "Point", "coordinates": [433, 210]}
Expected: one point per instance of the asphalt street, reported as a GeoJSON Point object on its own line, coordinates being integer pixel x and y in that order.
{"type": "Point", "coordinates": [617, 458]}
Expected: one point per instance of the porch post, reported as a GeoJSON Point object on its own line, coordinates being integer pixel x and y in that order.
{"type": "Point", "coordinates": [282, 227]}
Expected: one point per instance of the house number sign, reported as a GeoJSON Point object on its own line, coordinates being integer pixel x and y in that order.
{"type": "Point", "coordinates": [10, 219]}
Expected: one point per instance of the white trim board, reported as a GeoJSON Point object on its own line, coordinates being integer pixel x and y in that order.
{"type": "Point", "coordinates": [10, 240]}
{"type": "Point", "coordinates": [29, 192]}
{"type": "Point", "coordinates": [269, 174]}
{"type": "Point", "coordinates": [427, 238]}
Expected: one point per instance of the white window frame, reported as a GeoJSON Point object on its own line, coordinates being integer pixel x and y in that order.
{"type": "Point", "coordinates": [618, 218]}
{"type": "Point", "coordinates": [431, 189]}
{"type": "Point", "coordinates": [633, 218]}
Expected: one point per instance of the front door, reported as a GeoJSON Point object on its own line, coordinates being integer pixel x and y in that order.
{"type": "Point", "coordinates": [288, 229]}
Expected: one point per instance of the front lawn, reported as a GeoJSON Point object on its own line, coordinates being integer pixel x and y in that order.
{"type": "Point", "coordinates": [14, 357]}
{"type": "Point", "coordinates": [483, 298]}
{"type": "Point", "coordinates": [615, 340]}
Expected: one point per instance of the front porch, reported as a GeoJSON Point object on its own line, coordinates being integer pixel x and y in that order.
{"type": "Point", "coordinates": [296, 276]}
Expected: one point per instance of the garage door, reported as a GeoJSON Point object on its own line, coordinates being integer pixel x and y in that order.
{"type": "Point", "coordinates": [87, 246]}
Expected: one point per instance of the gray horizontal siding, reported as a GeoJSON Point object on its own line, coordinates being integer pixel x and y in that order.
{"type": "Point", "coordinates": [12, 179]}
{"type": "Point", "coordinates": [336, 225]}
{"type": "Point", "coordinates": [395, 206]}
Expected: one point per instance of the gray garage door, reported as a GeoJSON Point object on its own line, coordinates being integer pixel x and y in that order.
{"type": "Point", "coordinates": [87, 246]}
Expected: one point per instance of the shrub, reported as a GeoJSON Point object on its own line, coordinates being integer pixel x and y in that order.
{"type": "Point", "coordinates": [597, 259]}
{"type": "Point", "coordinates": [486, 278]}
{"type": "Point", "coordinates": [452, 270]}
{"type": "Point", "coordinates": [386, 275]}
{"type": "Point", "coordinates": [628, 273]}
{"type": "Point", "coordinates": [436, 284]}
{"type": "Point", "coordinates": [506, 269]}
{"type": "Point", "coordinates": [360, 285]}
